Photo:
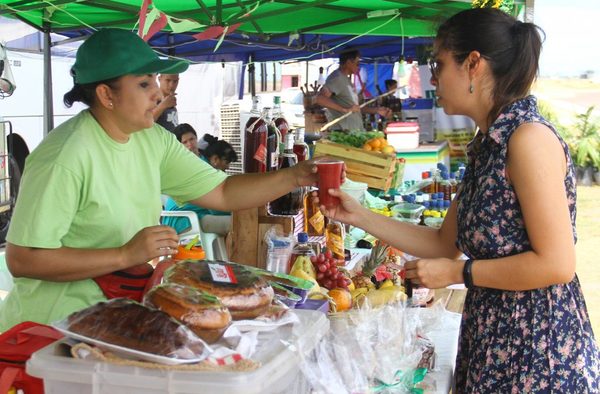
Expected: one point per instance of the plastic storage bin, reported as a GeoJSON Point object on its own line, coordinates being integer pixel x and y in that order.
{"type": "Point", "coordinates": [279, 372]}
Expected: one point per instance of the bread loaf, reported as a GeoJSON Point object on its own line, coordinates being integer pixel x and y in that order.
{"type": "Point", "coordinates": [128, 324]}
{"type": "Point", "coordinates": [203, 313]}
{"type": "Point", "coordinates": [245, 294]}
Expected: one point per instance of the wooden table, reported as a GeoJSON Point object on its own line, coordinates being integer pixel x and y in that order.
{"type": "Point", "coordinates": [453, 299]}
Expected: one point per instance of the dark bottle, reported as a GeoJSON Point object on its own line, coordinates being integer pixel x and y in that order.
{"type": "Point", "coordinates": [291, 203]}
{"type": "Point", "coordinates": [300, 147]}
{"type": "Point", "coordinates": [278, 118]}
{"type": "Point", "coordinates": [273, 141]}
{"type": "Point", "coordinates": [255, 141]}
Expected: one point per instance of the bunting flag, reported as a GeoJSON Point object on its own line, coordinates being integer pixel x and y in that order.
{"type": "Point", "coordinates": [156, 21]}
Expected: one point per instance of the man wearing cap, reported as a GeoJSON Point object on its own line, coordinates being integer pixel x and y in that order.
{"type": "Point", "coordinates": [85, 223]}
{"type": "Point", "coordinates": [165, 113]}
{"type": "Point", "coordinates": [339, 96]}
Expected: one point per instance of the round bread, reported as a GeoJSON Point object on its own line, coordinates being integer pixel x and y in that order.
{"type": "Point", "coordinates": [203, 313]}
{"type": "Point", "coordinates": [246, 295]}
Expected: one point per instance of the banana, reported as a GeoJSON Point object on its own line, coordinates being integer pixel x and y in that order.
{"type": "Point", "coordinates": [298, 273]}
{"type": "Point", "coordinates": [303, 263]}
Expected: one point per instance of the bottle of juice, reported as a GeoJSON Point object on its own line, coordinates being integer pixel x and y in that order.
{"type": "Point", "coordinates": [278, 118]}
{"type": "Point", "coordinates": [273, 141]}
{"type": "Point", "coordinates": [314, 221]}
{"type": "Point", "coordinates": [334, 239]}
{"type": "Point", "coordinates": [300, 147]}
{"type": "Point", "coordinates": [255, 141]}
{"type": "Point", "coordinates": [290, 203]}
{"type": "Point", "coordinates": [301, 249]}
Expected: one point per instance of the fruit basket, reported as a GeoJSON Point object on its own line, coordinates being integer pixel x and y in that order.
{"type": "Point", "coordinates": [373, 168]}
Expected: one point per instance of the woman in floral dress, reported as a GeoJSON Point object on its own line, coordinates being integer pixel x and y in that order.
{"type": "Point", "coordinates": [525, 326]}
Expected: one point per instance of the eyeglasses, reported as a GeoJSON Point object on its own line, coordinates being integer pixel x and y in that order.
{"type": "Point", "coordinates": [435, 68]}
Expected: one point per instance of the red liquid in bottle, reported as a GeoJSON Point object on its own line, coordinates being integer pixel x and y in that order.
{"type": "Point", "coordinates": [255, 145]}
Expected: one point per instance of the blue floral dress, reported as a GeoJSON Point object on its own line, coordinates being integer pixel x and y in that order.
{"type": "Point", "coordinates": [516, 341]}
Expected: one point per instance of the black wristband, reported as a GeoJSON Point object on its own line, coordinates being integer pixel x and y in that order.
{"type": "Point", "coordinates": [467, 274]}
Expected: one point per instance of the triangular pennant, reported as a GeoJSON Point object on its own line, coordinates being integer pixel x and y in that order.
{"type": "Point", "coordinates": [182, 25]}
{"type": "Point", "coordinates": [143, 12]}
{"type": "Point", "coordinates": [156, 26]}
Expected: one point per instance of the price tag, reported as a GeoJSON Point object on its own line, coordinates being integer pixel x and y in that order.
{"type": "Point", "coordinates": [222, 273]}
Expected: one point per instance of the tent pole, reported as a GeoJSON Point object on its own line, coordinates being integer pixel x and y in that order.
{"type": "Point", "coordinates": [306, 81]}
{"type": "Point", "coordinates": [48, 97]}
{"type": "Point", "coordinates": [251, 75]}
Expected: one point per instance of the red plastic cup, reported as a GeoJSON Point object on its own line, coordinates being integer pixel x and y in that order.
{"type": "Point", "coordinates": [330, 173]}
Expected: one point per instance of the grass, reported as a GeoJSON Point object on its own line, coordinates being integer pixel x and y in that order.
{"type": "Point", "coordinates": [588, 245]}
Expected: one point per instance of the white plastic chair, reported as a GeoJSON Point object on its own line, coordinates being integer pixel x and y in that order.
{"type": "Point", "coordinates": [213, 244]}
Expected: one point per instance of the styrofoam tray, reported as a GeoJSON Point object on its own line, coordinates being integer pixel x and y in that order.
{"type": "Point", "coordinates": [132, 353]}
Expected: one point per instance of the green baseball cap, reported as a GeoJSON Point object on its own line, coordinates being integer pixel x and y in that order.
{"type": "Point", "coordinates": [111, 53]}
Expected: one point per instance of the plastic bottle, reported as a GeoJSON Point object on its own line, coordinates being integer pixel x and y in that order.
{"type": "Point", "coordinates": [426, 176]}
{"type": "Point", "coordinates": [334, 239]}
{"type": "Point", "coordinates": [279, 120]}
{"type": "Point", "coordinates": [444, 185]}
{"type": "Point", "coordinates": [290, 203]}
{"type": "Point", "coordinates": [255, 140]}
{"type": "Point", "coordinates": [300, 147]}
{"type": "Point", "coordinates": [302, 248]}
{"type": "Point", "coordinates": [453, 184]}
{"type": "Point", "coordinates": [314, 221]}
{"type": "Point", "coordinates": [273, 141]}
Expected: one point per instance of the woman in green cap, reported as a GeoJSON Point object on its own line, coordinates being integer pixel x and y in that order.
{"type": "Point", "coordinates": [84, 226]}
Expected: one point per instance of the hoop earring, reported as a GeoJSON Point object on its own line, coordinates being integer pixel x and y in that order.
{"type": "Point", "coordinates": [471, 89]}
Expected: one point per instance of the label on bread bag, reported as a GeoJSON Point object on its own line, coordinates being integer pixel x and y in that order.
{"type": "Point", "coordinates": [222, 273]}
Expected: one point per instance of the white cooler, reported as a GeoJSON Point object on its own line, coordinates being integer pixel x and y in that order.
{"type": "Point", "coordinates": [403, 135]}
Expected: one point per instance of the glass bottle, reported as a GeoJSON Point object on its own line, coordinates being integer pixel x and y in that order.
{"type": "Point", "coordinates": [291, 203]}
{"type": "Point", "coordinates": [334, 239]}
{"type": "Point", "coordinates": [300, 147]}
{"type": "Point", "coordinates": [314, 221]}
{"type": "Point", "coordinates": [273, 141]}
{"type": "Point", "coordinates": [255, 141]}
{"type": "Point", "coordinates": [278, 118]}
{"type": "Point", "coordinates": [301, 249]}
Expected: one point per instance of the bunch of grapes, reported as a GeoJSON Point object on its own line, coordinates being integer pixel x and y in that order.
{"type": "Point", "coordinates": [328, 274]}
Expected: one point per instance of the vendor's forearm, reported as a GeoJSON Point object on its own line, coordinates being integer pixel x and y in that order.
{"type": "Point", "coordinates": [248, 190]}
{"type": "Point", "coordinates": [62, 264]}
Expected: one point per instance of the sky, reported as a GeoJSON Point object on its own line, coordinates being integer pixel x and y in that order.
{"type": "Point", "coordinates": [572, 30]}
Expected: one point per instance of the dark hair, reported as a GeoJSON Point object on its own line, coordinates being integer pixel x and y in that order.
{"type": "Point", "coordinates": [349, 55]}
{"type": "Point", "coordinates": [390, 82]}
{"type": "Point", "coordinates": [216, 147]}
{"type": "Point", "coordinates": [86, 93]}
{"type": "Point", "coordinates": [511, 47]}
{"type": "Point", "coordinates": [182, 129]}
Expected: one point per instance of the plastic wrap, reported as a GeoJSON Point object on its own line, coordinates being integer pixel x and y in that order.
{"type": "Point", "coordinates": [369, 350]}
{"type": "Point", "coordinates": [202, 312]}
{"type": "Point", "coordinates": [279, 250]}
{"type": "Point", "coordinates": [122, 324]}
{"type": "Point", "coordinates": [244, 293]}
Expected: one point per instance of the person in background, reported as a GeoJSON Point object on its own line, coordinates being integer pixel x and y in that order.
{"type": "Point", "coordinates": [391, 101]}
{"type": "Point", "coordinates": [186, 134]}
{"type": "Point", "coordinates": [85, 222]}
{"type": "Point", "coordinates": [525, 325]}
{"type": "Point", "coordinates": [218, 154]}
{"type": "Point", "coordinates": [165, 113]}
{"type": "Point", "coordinates": [339, 95]}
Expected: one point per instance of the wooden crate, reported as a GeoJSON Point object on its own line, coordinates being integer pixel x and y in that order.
{"type": "Point", "coordinates": [373, 168]}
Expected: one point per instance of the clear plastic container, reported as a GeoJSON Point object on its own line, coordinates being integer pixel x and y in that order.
{"type": "Point", "coordinates": [406, 210]}
{"type": "Point", "coordinates": [277, 353]}
{"type": "Point", "coordinates": [301, 249]}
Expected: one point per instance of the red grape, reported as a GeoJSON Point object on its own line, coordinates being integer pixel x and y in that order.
{"type": "Point", "coordinates": [313, 259]}
{"type": "Point", "coordinates": [320, 275]}
{"type": "Point", "coordinates": [328, 284]}
{"type": "Point", "coordinates": [341, 283]}
{"type": "Point", "coordinates": [322, 268]}
{"type": "Point", "coordinates": [328, 254]}
{"type": "Point", "coordinates": [321, 258]}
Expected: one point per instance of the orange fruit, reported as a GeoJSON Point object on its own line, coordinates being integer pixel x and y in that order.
{"type": "Point", "coordinates": [367, 147]}
{"type": "Point", "coordinates": [196, 253]}
{"type": "Point", "coordinates": [389, 150]}
{"type": "Point", "coordinates": [342, 299]}
{"type": "Point", "coordinates": [375, 143]}
{"type": "Point", "coordinates": [382, 141]}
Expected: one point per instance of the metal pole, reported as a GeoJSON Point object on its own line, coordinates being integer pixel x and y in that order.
{"type": "Point", "coordinates": [251, 75]}
{"type": "Point", "coordinates": [307, 81]}
{"type": "Point", "coordinates": [48, 96]}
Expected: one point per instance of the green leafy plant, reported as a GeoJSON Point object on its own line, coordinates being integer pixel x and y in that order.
{"type": "Point", "coordinates": [585, 145]}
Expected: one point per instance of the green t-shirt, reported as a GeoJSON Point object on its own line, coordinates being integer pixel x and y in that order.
{"type": "Point", "coordinates": [82, 189]}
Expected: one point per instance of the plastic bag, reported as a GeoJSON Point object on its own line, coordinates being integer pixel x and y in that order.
{"type": "Point", "coordinates": [279, 250]}
{"type": "Point", "coordinates": [125, 324]}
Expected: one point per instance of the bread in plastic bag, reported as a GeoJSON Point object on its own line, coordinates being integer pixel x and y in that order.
{"type": "Point", "coordinates": [128, 324]}
{"type": "Point", "coordinates": [200, 311]}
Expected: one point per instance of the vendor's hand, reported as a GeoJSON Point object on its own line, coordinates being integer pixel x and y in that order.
{"type": "Point", "coordinates": [348, 211]}
{"type": "Point", "coordinates": [150, 243]}
{"type": "Point", "coordinates": [304, 173]}
{"type": "Point", "coordinates": [385, 112]}
{"type": "Point", "coordinates": [354, 108]}
{"type": "Point", "coordinates": [169, 101]}
{"type": "Point", "coordinates": [434, 273]}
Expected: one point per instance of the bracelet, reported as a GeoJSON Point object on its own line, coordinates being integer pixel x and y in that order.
{"type": "Point", "coordinates": [468, 274]}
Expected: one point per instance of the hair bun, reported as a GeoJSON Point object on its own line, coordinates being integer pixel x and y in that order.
{"type": "Point", "coordinates": [210, 139]}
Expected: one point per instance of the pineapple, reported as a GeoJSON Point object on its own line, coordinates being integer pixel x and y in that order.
{"type": "Point", "coordinates": [377, 257]}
